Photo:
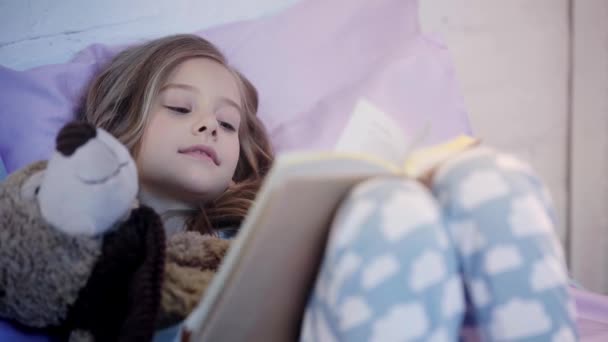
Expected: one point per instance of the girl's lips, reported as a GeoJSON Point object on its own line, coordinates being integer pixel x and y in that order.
{"type": "Point", "coordinates": [199, 156]}
{"type": "Point", "coordinates": [201, 152]}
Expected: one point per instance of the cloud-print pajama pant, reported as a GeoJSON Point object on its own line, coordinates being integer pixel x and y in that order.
{"type": "Point", "coordinates": [473, 258]}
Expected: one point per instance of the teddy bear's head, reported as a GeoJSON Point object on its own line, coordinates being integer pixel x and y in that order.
{"type": "Point", "coordinates": [89, 170]}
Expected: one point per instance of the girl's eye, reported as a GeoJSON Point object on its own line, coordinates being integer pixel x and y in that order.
{"type": "Point", "coordinates": [227, 126]}
{"type": "Point", "coordinates": [180, 110]}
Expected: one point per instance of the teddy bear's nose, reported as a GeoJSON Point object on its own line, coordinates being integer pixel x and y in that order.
{"type": "Point", "coordinates": [73, 135]}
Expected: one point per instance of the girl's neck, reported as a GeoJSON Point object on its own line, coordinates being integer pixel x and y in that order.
{"type": "Point", "coordinates": [172, 211]}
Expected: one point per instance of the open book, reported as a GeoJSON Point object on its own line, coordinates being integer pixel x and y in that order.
{"type": "Point", "coordinates": [262, 287]}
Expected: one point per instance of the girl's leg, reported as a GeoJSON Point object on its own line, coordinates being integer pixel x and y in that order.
{"type": "Point", "coordinates": [389, 272]}
{"type": "Point", "coordinates": [500, 217]}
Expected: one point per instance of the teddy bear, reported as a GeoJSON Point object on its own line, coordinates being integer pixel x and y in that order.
{"type": "Point", "coordinates": [81, 260]}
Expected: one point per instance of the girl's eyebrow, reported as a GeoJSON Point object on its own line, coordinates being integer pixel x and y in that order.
{"type": "Point", "coordinates": [180, 86]}
{"type": "Point", "coordinates": [231, 103]}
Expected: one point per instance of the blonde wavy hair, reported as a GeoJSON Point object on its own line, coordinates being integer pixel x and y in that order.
{"type": "Point", "coordinates": [120, 97]}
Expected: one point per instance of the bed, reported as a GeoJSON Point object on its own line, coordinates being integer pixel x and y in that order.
{"type": "Point", "coordinates": [592, 315]}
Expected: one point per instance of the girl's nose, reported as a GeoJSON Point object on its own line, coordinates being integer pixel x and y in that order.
{"type": "Point", "coordinates": [208, 125]}
{"type": "Point", "coordinates": [204, 128]}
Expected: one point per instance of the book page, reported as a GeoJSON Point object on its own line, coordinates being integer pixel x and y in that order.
{"type": "Point", "coordinates": [328, 164]}
{"type": "Point", "coordinates": [372, 132]}
{"type": "Point", "coordinates": [422, 160]}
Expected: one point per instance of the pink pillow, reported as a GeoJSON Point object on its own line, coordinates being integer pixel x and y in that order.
{"type": "Point", "coordinates": [310, 63]}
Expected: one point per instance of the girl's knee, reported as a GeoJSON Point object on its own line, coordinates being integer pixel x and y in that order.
{"type": "Point", "coordinates": [391, 207]}
{"type": "Point", "coordinates": [398, 200]}
{"type": "Point", "coordinates": [482, 175]}
{"type": "Point", "coordinates": [491, 196]}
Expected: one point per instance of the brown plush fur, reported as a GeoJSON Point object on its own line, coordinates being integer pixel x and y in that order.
{"type": "Point", "coordinates": [28, 294]}
{"type": "Point", "coordinates": [191, 262]}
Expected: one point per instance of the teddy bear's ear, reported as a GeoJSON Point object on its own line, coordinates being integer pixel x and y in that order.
{"type": "Point", "coordinates": [30, 188]}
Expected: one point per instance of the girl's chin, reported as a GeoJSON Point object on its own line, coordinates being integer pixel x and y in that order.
{"type": "Point", "coordinates": [195, 192]}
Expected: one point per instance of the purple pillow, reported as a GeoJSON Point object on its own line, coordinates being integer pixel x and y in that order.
{"type": "Point", "coordinates": [310, 63]}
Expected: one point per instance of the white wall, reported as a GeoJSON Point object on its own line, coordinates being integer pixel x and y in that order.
{"type": "Point", "coordinates": [589, 144]}
{"type": "Point", "coordinates": [512, 62]}
{"type": "Point", "coordinates": [35, 32]}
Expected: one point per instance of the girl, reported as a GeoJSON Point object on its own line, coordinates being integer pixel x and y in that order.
{"type": "Point", "coordinates": [189, 120]}
{"type": "Point", "coordinates": [404, 261]}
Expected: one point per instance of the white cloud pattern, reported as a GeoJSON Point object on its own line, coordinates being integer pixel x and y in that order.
{"type": "Point", "coordinates": [547, 273]}
{"type": "Point", "coordinates": [501, 259]}
{"type": "Point", "coordinates": [404, 213]}
{"type": "Point", "coordinates": [354, 312]}
{"type": "Point", "coordinates": [349, 228]}
{"type": "Point", "coordinates": [401, 323]}
{"type": "Point", "coordinates": [528, 217]}
{"type": "Point", "coordinates": [519, 319]}
{"type": "Point", "coordinates": [480, 187]}
{"type": "Point", "coordinates": [379, 270]}
{"type": "Point", "coordinates": [440, 335]}
{"type": "Point", "coordinates": [348, 264]}
{"type": "Point", "coordinates": [428, 269]}
{"type": "Point", "coordinates": [564, 334]}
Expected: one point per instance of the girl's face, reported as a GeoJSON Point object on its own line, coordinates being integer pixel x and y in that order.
{"type": "Point", "coordinates": [190, 147]}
